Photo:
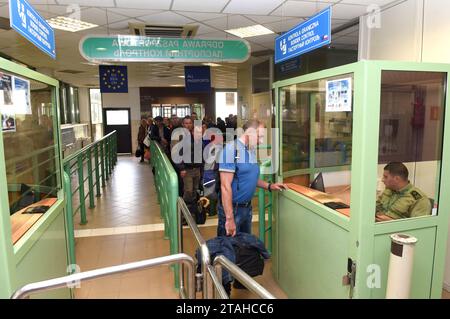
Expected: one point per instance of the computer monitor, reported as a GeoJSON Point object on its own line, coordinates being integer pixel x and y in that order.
{"type": "Point", "coordinates": [317, 183]}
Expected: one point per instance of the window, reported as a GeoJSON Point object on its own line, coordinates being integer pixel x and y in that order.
{"type": "Point", "coordinates": [96, 106]}
{"type": "Point", "coordinates": [317, 135]}
{"type": "Point", "coordinates": [31, 152]}
{"type": "Point", "coordinates": [119, 117]}
{"type": "Point", "coordinates": [411, 133]}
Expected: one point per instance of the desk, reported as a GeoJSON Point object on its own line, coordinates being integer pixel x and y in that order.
{"type": "Point", "coordinates": [343, 193]}
{"type": "Point", "coordinates": [20, 223]}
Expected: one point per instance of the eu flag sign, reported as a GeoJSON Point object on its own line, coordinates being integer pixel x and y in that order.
{"type": "Point", "coordinates": [113, 79]}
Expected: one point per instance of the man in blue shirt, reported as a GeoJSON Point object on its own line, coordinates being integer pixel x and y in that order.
{"type": "Point", "coordinates": [239, 177]}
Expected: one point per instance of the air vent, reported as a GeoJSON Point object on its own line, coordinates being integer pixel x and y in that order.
{"type": "Point", "coordinates": [149, 30]}
{"type": "Point", "coordinates": [70, 71]}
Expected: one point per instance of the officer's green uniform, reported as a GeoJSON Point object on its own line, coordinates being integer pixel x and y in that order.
{"type": "Point", "coordinates": [407, 202]}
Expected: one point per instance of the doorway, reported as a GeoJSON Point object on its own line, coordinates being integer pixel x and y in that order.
{"type": "Point", "coordinates": [119, 119]}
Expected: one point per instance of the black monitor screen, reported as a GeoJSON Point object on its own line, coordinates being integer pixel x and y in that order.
{"type": "Point", "coordinates": [317, 183]}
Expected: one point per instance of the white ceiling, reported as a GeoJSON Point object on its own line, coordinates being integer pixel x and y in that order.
{"type": "Point", "coordinates": [212, 17]}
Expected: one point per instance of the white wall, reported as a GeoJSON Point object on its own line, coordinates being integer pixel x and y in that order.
{"type": "Point", "coordinates": [85, 109]}
{"type": "Point", "coordinates": [128, 100]}
{"type": "Point", "coordinates": [413, 30]}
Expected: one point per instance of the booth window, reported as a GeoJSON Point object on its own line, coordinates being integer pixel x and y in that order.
{"type": "Point", "coordinates": [317, 136]}
{"type": "Point", "coordinates": [410, 138]}
{"type": "Point", "coordinates": [30, 147]}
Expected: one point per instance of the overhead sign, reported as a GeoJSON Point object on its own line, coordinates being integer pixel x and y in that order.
{"type": "Point", "coordinates": [130, 48]}
{"type": "Point", "coordinates": [113, 79]}
{"type": "Point", "coordinates": [25, 20]}
{"type": "Point", "coordinates": [197, 79]}
{"type": "Point", "coordinates": [309, 35]}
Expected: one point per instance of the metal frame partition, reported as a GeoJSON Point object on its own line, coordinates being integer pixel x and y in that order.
{"type": "Point", "coordinates": [95, 160]}
{"type": "Point", "coordinates": [322, 245]}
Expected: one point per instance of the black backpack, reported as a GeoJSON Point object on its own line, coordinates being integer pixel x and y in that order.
{"type": "Point", "coordinates": [249, 260]}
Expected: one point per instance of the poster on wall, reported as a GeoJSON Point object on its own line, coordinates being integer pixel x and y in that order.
{"type": "Point", "coordinates": [339, 95]}
{"type": "Point", "coordinates": [8, 118]}
{"type": "Point", "coordinates": [5, 89]}
{"type": "Point", "coordinates": [21, 95]}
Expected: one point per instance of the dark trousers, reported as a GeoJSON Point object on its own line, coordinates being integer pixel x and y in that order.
{"type": "Point", "coordinates": [142, 147]}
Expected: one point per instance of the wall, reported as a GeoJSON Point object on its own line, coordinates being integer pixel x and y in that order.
{"type": "Point", "coordinates": [244, 90]}
{"type": "Point", "coordinates": [85, 109]}
{"type": "Point", "coordinates": [412, 30]}
{"type": "Point", "coordinates": [127, 100]}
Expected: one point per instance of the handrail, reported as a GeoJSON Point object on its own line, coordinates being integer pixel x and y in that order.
{"type": "Point", "coordinates": [166, 184]}
{"type": "Point", "coordinates": [206, 259]}
{"type": "Point", "coordinates": [71, 280]}
{"type": "Point", "coordinates": [222, 261]}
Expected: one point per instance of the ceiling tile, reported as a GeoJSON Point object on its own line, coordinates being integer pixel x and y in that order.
{"type": "Point", "coordinates": [33, 2]}
{"type": "Point", "coordinates": [263, 19]}
{"type": "Point", "coordinates": [100, 16]}
{"type": "Point", "coordinates": [203, 29]}
{"type": "Point", "coordinates": [230, 22]}
{"type": "Point", "coordinates": [89, 3]}
{"type": "Point", "coordinates": [348, 11]}
{"type": "Point", "coordinates": [344, 40]}
{"type": "Point", "coordinates": [144, 4]}
{"type": "Point", "coordinates": [199, 5]}
{"type": "Point", "coordinates": [284, 25]}
{"type": "Point", "coordinates": [122, 26]}
{"type": "Point", "coordinates": [201, 16]}
{"type": "Point", "coordinates": [262, 7]}
{"type": "Point", "coordinates": [299, 8]}
{"type": "Point", "coordinates": [369, 2]}
{"type": "Point", "coordinates": [218, 35]}
{"type": "Point", "coordinates": [132, 13]}
{"type": "Point", "coordinates": [166, 18]}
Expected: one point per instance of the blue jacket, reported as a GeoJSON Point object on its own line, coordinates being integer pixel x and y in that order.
{"type": "Point", "coordinates": [223, 245]}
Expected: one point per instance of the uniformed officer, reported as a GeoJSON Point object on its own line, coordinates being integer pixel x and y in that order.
{"type": "Point", "coordinates": [400, 199]}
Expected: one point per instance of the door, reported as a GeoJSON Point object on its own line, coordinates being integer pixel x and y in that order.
{"type": "Point", "coordinates": [119, 120]}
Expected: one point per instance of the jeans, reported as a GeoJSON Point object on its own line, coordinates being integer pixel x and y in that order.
{"type": "Point", "coordinates": [191, 183]}
{"type": "Point", "coordinates": [242, 219]}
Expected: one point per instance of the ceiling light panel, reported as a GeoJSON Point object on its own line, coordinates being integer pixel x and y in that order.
{"type": "Point", "coordinates": [251, 31]}
{"type": "Point", "coordinates": [249, 7]}
{"type": "Point", "coordinates": [69, 24]}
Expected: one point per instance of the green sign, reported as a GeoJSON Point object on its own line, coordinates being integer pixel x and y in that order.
{"type": "Point", "coordinates": [129, 48]}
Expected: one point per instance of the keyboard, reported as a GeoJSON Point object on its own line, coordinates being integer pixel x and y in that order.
{"type": "Point", "coordinates": [336, 205]}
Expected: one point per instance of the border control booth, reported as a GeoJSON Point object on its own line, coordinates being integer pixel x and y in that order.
{"type": "Point", "coordinates": [32, 221]}
{"type": "Point", "coordinates": [340, 127]}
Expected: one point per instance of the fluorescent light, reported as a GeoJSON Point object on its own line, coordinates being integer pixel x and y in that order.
{"type": "Point", "coordinates": [211, 64]}
{"type": "Point", "coordinates": [251, 31]}
{"type": "Point", "coordinates": [89, 63]}
{"type": "Point", "coordinates": [177, 85]}
{"type": "Point", "coordinates": [181, 76]}
{"type": "Point", "coordinates": [69, 24]}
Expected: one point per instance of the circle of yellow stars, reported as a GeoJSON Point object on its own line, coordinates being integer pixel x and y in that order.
{"type": "Point", "coordinates": [119, 75]}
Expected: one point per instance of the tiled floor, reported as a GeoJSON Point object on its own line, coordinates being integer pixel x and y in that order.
{"type": "Point", "coordinates": [126, 226]}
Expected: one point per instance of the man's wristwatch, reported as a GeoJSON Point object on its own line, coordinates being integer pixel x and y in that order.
{"type": "Point", "coordinates": [269, 187]}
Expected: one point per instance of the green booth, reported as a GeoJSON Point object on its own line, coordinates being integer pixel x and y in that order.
{"type": "Point", "coordinates": [32, 221]}
{"type": "Point", "coordinates": [338, 130]}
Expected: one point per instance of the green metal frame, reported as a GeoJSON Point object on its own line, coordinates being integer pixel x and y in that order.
{"type": "Point", "coordinates": [77, 163]}
{"type": "Point", "coordinates": [363, 236]}
{"type": "Point", "coordinates": [38, 246]}
{"type": "Point", "coordinates": [166, 184]}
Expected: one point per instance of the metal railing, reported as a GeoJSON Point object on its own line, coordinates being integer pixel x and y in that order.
{"type": "Point", "coordinates": [239, 274]}
{"type": "Point", "coordinates": [166, 184]}
{"type": "Point", "coordinates": [211, 283]}
{"type": "Point", "coordinates": [97, 161]}
{"type": "Point", "coordinates": [72, 280]}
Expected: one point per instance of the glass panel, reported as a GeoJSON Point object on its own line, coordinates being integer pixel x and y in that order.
{"type": "Point", "coordinates": [31, 154]}
{"type": "Point", "coordinates": [317, 138]}
{"type": "Point", "coordinates": [119, 117]}
{"type": "Point", "coordinates": [156, 110]}
{"type": "Point", "coordinates": [96, 106]}
{"type": "Point", "coordinates": [410, 138]}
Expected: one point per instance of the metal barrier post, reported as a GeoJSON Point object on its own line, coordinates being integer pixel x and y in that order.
{"type": "Point", "coordinates": [102, 161]}
{"type": "Point", "coordinates": [69, 215]}
{"type": "Point", "coordinates": [90, 179]}
{"type": "Point", "coordinates": [81, 190]}
{"type": "Point", "coordinates": [106, 159]}
{"type": "Point", "coordinates": [97, 172]}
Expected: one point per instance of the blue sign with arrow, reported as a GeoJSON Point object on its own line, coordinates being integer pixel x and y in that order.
{"type": "Point", "coordinates": [309, 35]}
{"type": "Point", "coordinates": [27, 21]}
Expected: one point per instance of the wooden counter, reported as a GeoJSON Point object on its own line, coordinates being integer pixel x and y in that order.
{"type": "Point", "coordinates": [21, 223]}
{"type": "Point", "coordinates": [340, 194]}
